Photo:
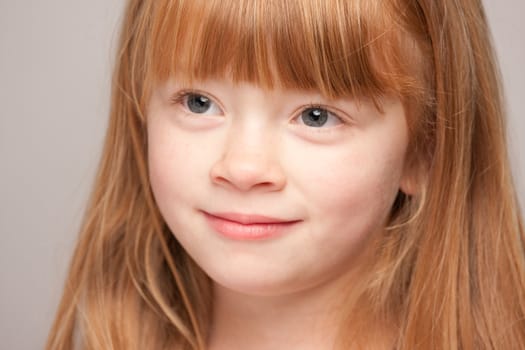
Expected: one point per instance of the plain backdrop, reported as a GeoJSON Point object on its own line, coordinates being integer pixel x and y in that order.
{"type": "Point", "coordinates": [55, 64]}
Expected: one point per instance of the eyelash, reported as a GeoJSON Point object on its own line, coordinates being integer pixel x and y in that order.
{"type": "Point", "coordinates": [323, 108]}
{"type": "Point", "coordinates": [181, 99]}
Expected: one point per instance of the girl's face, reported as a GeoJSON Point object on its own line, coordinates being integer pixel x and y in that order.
{"type": "Point", "coordinates": [273, 191]}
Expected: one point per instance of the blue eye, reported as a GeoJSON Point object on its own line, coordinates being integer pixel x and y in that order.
{"type": "Point", "coordinates": [200, 104]}
{"type": "Point", "coordinates": [318, 117]}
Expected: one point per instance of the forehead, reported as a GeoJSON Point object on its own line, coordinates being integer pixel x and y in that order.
{"type": "Point", "coordinates": [337, 47]}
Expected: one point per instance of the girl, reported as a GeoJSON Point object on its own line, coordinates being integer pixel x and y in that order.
{"type": "Point", "coordinates": [314, 174]}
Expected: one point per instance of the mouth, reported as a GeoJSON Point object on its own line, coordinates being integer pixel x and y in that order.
{"type": "Point", "coordinates": [239, 226]}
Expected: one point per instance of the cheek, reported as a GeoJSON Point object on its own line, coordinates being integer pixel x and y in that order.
{"type": "Point", "coordinates": [172, 166]}
{"type": "Point", "coordinates": [164, 167]}
{"type": "Point", "coordinates": [351, 188]}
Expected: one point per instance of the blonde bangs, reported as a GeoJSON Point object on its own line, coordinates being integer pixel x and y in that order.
{"type": "Point", "coordinates": [340, 48]}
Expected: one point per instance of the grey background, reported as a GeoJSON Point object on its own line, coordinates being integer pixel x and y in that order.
{"type": "Point", "coordinates": [55, 64]}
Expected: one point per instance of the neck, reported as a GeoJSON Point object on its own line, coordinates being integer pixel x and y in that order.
{"type": "Point", "coordinates": [302, 320]}
{"type": "Point", "coordinates": [293, 321]}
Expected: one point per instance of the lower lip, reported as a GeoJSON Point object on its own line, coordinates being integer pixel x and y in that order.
{"type": "Point", "coordinates": [248, 232]}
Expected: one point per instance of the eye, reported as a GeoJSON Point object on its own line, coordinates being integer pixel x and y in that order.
{"type": "Point", "coordinates": [318, 117]}
{"type": "Point", "coordinates": [197, 103]}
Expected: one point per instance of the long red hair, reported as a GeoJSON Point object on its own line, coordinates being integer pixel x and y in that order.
{"type": "Point", "coordinates": [449, 270]}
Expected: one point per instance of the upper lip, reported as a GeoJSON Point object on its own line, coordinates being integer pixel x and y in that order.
{"type": "Point", "coordinates": [247, 219]}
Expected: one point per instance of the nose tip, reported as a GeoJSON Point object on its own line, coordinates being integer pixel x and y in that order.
{"type": "Point", "coordinates": [246, 172]}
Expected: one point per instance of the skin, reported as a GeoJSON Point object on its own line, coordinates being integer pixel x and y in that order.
{"type": "Point", "coordinates": [250, 152]}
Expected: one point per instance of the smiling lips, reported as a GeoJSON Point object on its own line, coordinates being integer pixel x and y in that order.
{"type": "Point", "coordinates": [247, 227]}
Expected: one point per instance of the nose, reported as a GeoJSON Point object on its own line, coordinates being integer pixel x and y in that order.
{"type": "Point", "coordinates": [248, 163]}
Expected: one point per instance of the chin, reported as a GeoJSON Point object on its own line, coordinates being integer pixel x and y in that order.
{"type": "Point", "coordinates": [264, 282]}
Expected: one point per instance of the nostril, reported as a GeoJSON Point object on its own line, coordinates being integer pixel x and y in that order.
{"type": "Point", "coordinates": [243, 173]}
{"type": "Point", "coordinates": [221, 181]}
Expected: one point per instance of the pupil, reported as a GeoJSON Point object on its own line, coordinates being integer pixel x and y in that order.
{"type": "Point", "coordinates": [198, 103]}
{"type": "Point", "coordinates": [314, 116]}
